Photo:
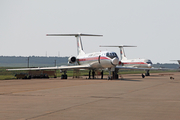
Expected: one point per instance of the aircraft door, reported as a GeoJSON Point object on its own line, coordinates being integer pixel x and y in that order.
{"type": "Point", "coordinates": [99, 58]}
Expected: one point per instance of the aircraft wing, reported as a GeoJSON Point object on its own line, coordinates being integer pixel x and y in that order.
{"type": "Point", "coordinates": [136, 68]}
{"type": "Point", "coordinates": [54, 68]}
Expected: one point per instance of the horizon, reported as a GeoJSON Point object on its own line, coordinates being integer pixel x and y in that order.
{"type": "Point", "coordinates": [175, 62]}
{"type": "Point", "coordinates": [153, 26]}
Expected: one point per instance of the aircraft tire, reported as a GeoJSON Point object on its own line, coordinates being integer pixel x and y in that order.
{"type": "Point", "coordinates": [65, 76]}
{"type": "Point", "coordinates": [109, 78]}
{"type": "Point", "coordinates": [62, 76]}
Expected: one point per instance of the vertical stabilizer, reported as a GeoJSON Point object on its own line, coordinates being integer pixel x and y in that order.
{"type": "Point", "coordinates": [122, 53]}
{"type": "Point", "coordinates": [79, 45]}
{"type": "Point", "coordinates": [80, 50]}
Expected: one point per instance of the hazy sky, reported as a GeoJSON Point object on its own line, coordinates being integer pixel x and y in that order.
{"type": "Point", "coordinates": [152, 25]}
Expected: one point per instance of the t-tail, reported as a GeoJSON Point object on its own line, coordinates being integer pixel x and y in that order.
{"type": "Point", "coordinates": [80, 50]}
{"type": "Point", "coordinates": [122, 53]}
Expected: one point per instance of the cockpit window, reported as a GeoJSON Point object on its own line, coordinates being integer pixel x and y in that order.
{"type": "Point", "coordinates": [111, 55]}
{"type": "Point", "coordinates": [149, 62]}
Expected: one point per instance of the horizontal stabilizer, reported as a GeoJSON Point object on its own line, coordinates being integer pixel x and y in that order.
{"type": "Point", "coordinates": [117, 46]}
{"type": "Point", "coordinates": [79, 34]}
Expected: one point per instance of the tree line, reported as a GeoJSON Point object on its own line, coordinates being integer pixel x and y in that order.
{"type": "Point", "coordinates": [34, 61]}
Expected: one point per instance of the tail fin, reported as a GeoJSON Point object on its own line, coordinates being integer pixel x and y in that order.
{"type": "Point", "coordinates": [80, 50]}
{"type": "Point", "coordinates": [122, 53]}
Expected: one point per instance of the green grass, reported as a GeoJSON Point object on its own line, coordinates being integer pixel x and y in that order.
{"type": "Point", "coordinates": [6, 77]}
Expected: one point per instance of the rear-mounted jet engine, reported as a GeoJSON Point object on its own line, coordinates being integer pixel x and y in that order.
{"type": "Point", "coordinates": [71, 59]}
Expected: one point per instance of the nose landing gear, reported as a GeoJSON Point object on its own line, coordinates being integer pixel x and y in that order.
{"type": "Point", "coordinates": [114, 73]}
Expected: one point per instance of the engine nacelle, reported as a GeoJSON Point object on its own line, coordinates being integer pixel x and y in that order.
{"type": "Point", "coordinates": [72, 59]}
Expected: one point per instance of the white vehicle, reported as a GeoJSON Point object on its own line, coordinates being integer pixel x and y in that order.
{"type": "Point", "coordinates": [136, 63]}
{"type": "Point", "coordinates": [90, 61]}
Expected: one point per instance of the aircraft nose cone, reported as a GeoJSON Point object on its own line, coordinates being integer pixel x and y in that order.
{"type": "Point", "coordinates": [149, 65]}
{"type": "Point", "coordinates": [115, 61]}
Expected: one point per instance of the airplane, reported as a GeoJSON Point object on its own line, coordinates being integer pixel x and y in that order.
{"type": "Point", "coordinates": [91, 61]}
{"type": "Point", "coordinates": [136, 63]}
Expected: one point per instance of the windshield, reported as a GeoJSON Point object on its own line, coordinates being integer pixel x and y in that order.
{"type": "Point", "coordinates": [148, 61]}
{"type": "Point", "coordinates": [111, 55]}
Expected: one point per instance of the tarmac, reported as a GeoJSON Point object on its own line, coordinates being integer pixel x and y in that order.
{"type": "Point", "coordinates": [156, 97]}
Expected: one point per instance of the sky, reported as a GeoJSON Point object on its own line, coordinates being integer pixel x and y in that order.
{"type": "Point", "coordinates": [151, 25]}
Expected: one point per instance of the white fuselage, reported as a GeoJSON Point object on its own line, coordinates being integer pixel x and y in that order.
{"type": "Point", "coordinates": [105, 59]}
{"type": "Point", "coordinates": [139, 63]}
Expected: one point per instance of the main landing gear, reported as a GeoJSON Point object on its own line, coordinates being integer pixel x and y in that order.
{"type": "Point", "coordinates": [102, 74]}
{"type": "Point", "coordinates": [93, 74]}
{"type": "Point", "coordinates": [64, 76]}
{"type": "Point", "coordinates": [147, 73]}
{"type": "Point", "coordinates": [143, 76]}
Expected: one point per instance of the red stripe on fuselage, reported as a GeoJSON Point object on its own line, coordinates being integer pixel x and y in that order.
{"type": "Point", "coordinates": [93, 58]}
{"type": "Point", "coordinates": [133, 63]}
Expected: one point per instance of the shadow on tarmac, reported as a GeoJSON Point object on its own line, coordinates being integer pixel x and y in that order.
{"type": "Point", "coordinates": [130, 80]}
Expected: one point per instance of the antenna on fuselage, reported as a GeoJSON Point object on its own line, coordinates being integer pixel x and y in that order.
{"type": "Point", "coordinates": [122, 53]}
{"type": "Point", "coordinates": [80, 50]}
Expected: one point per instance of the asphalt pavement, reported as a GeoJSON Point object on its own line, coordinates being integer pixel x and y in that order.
{"type": "Point", "coordinates": [156, 97]}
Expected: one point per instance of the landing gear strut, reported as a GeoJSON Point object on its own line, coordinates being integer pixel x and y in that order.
{"type": "Point", "coordinates": [64, 76]}
{"type": "Point", "coordinates": [102, 74]}
{"type": "Point", "coordinates": [109, 77]}
{"type": "Point", "coordinates": [114, 73]}
{"type": "Point", "coordinates": [93, 74]}
{"type": "Point", "coordinates": [143, 76]}
{"type": "Point", "coordinates": [147, 73]}
{"type": "Point", "coordinates": [89, 74]}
